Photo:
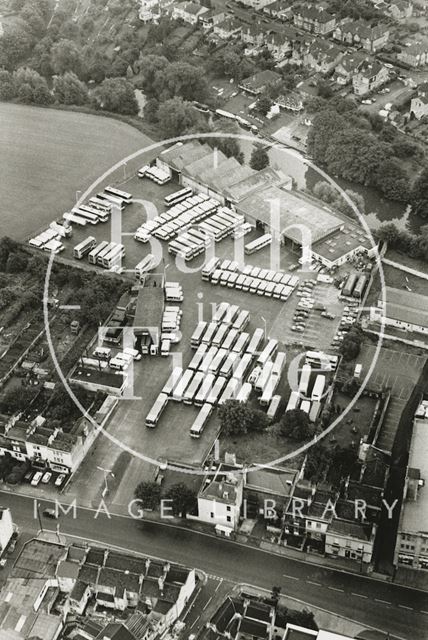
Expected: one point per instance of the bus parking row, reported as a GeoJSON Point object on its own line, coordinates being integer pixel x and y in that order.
{"type": "Point", "coordinates": [105, 254]}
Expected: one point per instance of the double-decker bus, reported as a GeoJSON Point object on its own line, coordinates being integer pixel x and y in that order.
{"type": "Point", "coordinates": [117, 193]}
{"type": "Point", "coordinates": [84, 247]}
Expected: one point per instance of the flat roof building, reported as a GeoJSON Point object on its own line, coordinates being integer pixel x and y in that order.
{"type": "Point", "coordinates": [404, 310]}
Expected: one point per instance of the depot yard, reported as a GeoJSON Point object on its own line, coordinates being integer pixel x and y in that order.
{"type": "Point", "coordinates": [170, 440]}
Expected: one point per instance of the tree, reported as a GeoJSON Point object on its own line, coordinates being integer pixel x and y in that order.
{"type": "Point", "coordinates": [388, 233]}
{"type": "Point", "coordinates": [17, 399]}
{"type": "Point", "coordinates": [325, 126]}
{"type": "Point", "coordinates": [15, 46]}
{"type": "Point", "coordinates": [234, 417]}
{"type": "Point", "coordinates": [351, 345]}
{"type": "Point", "coordinates": [149, 494]}
{"type": "Point", "coordinates": [295, 425]}
{"type": "Point", "coordinates": [259, 158]}
{"type": "Point", "coordinates": [65, 56]}
{"type": "Point", "coordinates": [16, 263]}
{"type": "Point", "coordinates": [184, 80]}
{"type": "Point", "coordinates": [176, 117]}
{"type": "Point", "coordinates": [116, 95]}
{"type": "Point", "coordinates": [419, 194]}
{"type": "Point", "coordinates": [31, 86]}
{"type": "Point", "coordinates": [318, 461]}
{"type": "Point", "coordinates": [354, 155]}
{"type": "Point", "coordinates": [7, 85]}
{"type": "Point", "coordinates": [393, 180]}
{"type": "Point", "coordinates": [229, 146]}
{"type": "Point", "coordinates": [150, 110]}
{"type": "Point", "coordinates": [324, 89]}
{"type": "Point", "coordinates": [68, 89]}
{"type": "Point", "coordinates": [263, 105]}
{"type": "Point", "coordinates": [325, 192]}
{"type": "Point", "coordinates": [183, 499]}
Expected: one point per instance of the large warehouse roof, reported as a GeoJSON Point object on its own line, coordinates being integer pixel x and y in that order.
{"type": "Point", "coordinates": [258, 179]}
{"type": "Point", "coordinates": [294, 210]}
{"type": "Point", "coordinates": [148, 313]}
{"type": "Point", "coordinates": [406, 306]}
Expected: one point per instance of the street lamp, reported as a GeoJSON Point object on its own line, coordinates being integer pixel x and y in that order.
{"type": "Point", "coordinates": [106, 473]}
{"type": "Point", "coordinates": [264, 323]}
{"type": "Point", "coordinates": [39, 517]}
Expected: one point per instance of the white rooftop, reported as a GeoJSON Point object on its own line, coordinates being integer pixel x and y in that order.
{"type": "Point", "coordinates": [414, 514]}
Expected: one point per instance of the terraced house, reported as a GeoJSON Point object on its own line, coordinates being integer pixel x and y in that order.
{"type": "Point", "coordinates": [371, 38]}
{"type": "Point", "coordinates": [314, 19]}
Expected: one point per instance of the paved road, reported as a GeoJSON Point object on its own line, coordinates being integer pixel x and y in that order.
{"type": "Point", "coordinates": [400, 611]}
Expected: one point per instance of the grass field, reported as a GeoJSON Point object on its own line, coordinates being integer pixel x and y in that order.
{"type": "Point", "coordinates": [48, 156]}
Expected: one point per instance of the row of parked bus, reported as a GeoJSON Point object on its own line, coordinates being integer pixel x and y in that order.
{"type": "Point", "coordinates": [167, 225]}
{"type": "Point", "coordinates": [263, 282]}
{"type": "Point", "coordinates": [99, 207]}
{"type": "Point", "coordinates": [215, 228]}
{"type": "Point", "coordinates": [155, 174]}
{"type": "Point", "coordinates": [50, 239]}
{"type": "Point", "coordinates": [105, 254]}
{"type": "Point", "coordinates": [265, 378]}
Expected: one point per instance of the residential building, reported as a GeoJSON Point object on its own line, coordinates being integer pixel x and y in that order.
{"type": "Point", "coordinates": [259, 82]}
{"type": "Point", "coordinates": [314, 19]}
{"type": "Point", "coordinates": [400, 9]}
{"type": "Point", "coordinates": [227, 29]}
{"type": "Point", "coordinates": [290, 101]}
{"type": "Point", "coordinates": [323, 56]}
{"type": "Point", "coordinates": [369, 77]}
{"type": "Point", "coordinates": [6, 528]}
{"type": "Point", "coordinates": [254, 34]}
{"type": "Point", "coordinates": [280, 44]}
{"type": "Point", "coordinates": [415, 55]}
{"type": "Point", "coordinates": [211, 18]}
{"type": "Point", "coordinates": [189, 12]}
{"type": "Point", "coordinates": [404, 310]}
{"type": "Point", "coordinates": [348, 66]}
{"type": "Point", "coordinates": [411, 548]}
{"type": "Point", "coordinates": [45, 447]}
{"type": "Point", "coordinates": [281, 9]}
{"type": "Point", "coordinates": [371, 38]}
{"type": "Point", "coordinates": [419, 104]}
{"type": "Point", "coordinates": [220, 498]}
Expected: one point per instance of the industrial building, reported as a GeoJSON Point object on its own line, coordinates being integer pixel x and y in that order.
{"type": "Point", "coordinates": [404, 310]}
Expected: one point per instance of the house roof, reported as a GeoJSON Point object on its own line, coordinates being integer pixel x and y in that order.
{"type": "Point", "coordinates": [406, 306]}
{"type": "Point", "coordinates": [276, 481]}
{"type": "Point", "coordinates": [260, 80]}
{"type": "Point", "coordinates": [311, 12]}
{"type": "Point", "coordinates": [191, 8]}
{"type": "Point", "coordinates": [68, 569]}
{"type": "Point", "coordinates": [351, 529]}
{"type": "Point", "coordinates": [256, 180]}
{"type": "Point", "coordinates": [414, 513]}
{"type": "Point", "coordinates": [115, 631]}
{"type": "Point", "coordinates": [78, 591]}
{"type": "Point", "coordinates": [364, 30]}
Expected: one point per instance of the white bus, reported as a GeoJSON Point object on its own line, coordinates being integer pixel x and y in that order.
{"type": "Point", "coordinates": [101, 205]}
{"type": "Point", "coordinates": [172, 381]}
{"type": "Point", "coordinates": [117, 193]}
{"type": "Point", "coordinates": [217, 361]}
{"type": "Point", "coordinates": [112, 200]}
{"type": "Point", "coordinates": [228, 365]}
{"type": "Point", "coordinates": [279, 362]}
{"type": "Point", "coordinates": [105, 251]}
{"type": "Point", "coordinates": [255, 341]}
{"type": "Point", "coordinates": [305, 376]}
{"type": "Point", "coordinates": [198, 357]}
{"type": "Point", "coordinates": [220, 311]}
{"type": "Point", "coordinates": [230, 339]}
{"type": "Point", "coordinates": [241, 369]}
{"type": "Point", "coordinates": [145, 265]}
{"type": "Point", "coordinates": [102, 216]}
{"type": "Point", "coordinates": [84, 247]}
{"type": "Point", "coordinates": [241, 343]}
{"type": "Point", "coordinates": [242, 320]}
{"type": "Point", "coordinates": [196, 338]}
{"type": "Point", "coordinates": [263, 377]}
{"type": "Point", "coordinates": [209, 333]}
{"type": "Point", "coordinates": [92, 257]}
{"type": "Point", "coordinates": [220, 335]}
{"type": "Point", "coordinates": [318, 388]}
{"type": "Point", "coordinates": [320, 360]}
{"type": "Point", "coordinates": [244, 392]}
{"type": "Point", "coordinates": [215, 393]}
{"type": "Point", "coordinates": [72, 218]}
{"type": "Point", "coordinates": [293, 401]}
{"type": "Point", "coordinates": [268, 352]}
{"type": "Point", "coordinates": [177, 196]}
{"type": "Point", "coordinates": [181, 387]}
{"type": "Point", "coordinates": [201, 419]}
{"type": "Point", "coordinates": [89, 217]}
{"type": "Point", "coordinates": [269, 389]}
{"type": "Point", "coordinates": [114, 257]}
{"type": "Point", "coordinates": [273, 407]}
{"type": "Point", "coordinates": [231, 391]}
{"type": "Point", "coordinates": [231, 314]}
{"type": "Point", "coordinates": [192, 389]}
{"type": "Point", "coordinates": [156, 411]}
{"type": "Point", "coordinates": [258, 244]}
{"type": "Point", "coordinates": [208, 358]}
{"type": "Point", "coordinates": [204, 389]}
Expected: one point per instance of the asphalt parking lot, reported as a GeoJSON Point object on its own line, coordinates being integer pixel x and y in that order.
{"type": "Point", "coordinates": [170, 441]}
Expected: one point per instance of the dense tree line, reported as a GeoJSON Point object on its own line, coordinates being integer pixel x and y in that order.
{"type": "Point", "coordinates": [360, 148]}
{"type": "Point", "coordinates": [415, 246]}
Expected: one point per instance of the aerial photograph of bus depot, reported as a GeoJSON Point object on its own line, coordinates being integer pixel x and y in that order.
{"type": "Point", "coordinates": [213, 319]}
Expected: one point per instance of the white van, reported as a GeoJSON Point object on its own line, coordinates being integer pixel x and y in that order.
{"type": "Point", "coordinates": [36, 478]}
{"type": "Point", "coordinates": [165, 347]}
{"type": "Point", "coordinates": [118, 363]}
{"type": "Point", "coordinates": [133, 353]}
{"type": "Point", "coordinates": [102, 352]}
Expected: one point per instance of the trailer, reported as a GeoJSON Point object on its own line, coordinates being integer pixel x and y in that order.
{"type": "Point", "coordinates": [349, 285]}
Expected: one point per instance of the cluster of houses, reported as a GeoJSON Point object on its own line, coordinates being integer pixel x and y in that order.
{"type": "Point", "coordinates": [297, 513]}
{"type": "Point", "coordinates": [108, 594]}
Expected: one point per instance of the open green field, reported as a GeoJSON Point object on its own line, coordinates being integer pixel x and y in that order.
{"type": "Point", "coordinates": [48, 155]}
